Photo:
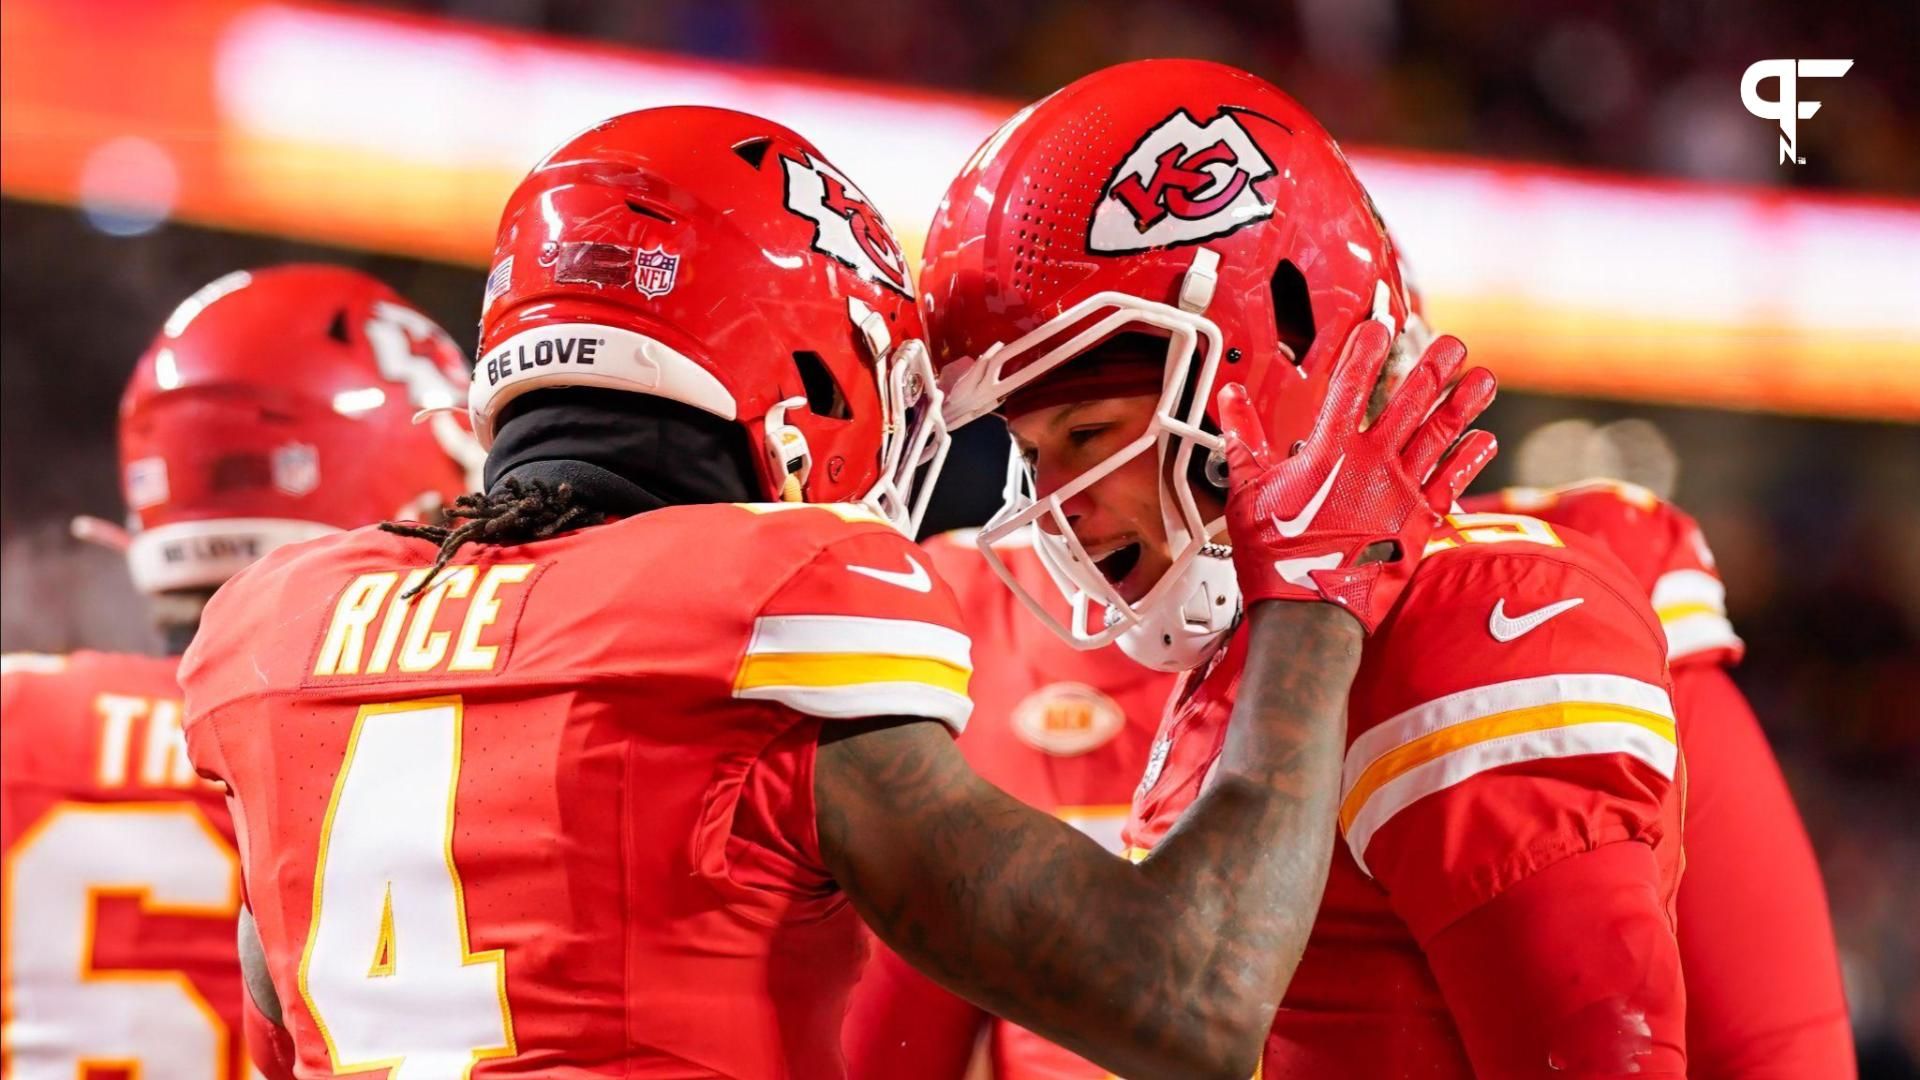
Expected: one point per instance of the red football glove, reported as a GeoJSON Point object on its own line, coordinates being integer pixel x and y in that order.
{"type": "Point", "coordinates": [1301, 524]}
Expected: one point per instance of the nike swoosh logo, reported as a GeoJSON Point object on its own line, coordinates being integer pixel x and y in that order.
{"type": "Point", "coordinates": [1504, 629]}
{"type": "Point", "coordinates": [915, 578]}
{"type": "Point", "coordinates": [1300, 571]}
{"type": "Point", "coordinates": [1294, 526]}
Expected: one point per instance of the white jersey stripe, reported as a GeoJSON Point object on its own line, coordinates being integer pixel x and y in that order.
{"type": "Point", "coordinates": [859, 634]}
{"type": "Point", "coordinates": [1470, 705]}
{"type": "Point", "coordinates": [1699, 632]}
{"type": "Point", "coordinates": [863, 700]}
{"type": "Point", "coordinates": [1689, 587]}
{"type": "Point", "coordinates": [1475, 758]}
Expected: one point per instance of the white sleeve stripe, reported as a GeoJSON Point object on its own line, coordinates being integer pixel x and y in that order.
{"type": "Point", "coordinates": [1697, 633]}
{"type": "Point", "coordinates": [859, 634]}
{"type": "Point", "coordinates": [1469, 705]}
{"type": "Point", "coordinates": [1475, 758]}
{"type": "Point", "coordinates": [1689, 587]}
{"type": "Point", "coordinates": [28, 663]}
{"type": "Point", "coordinates": [870, 700]}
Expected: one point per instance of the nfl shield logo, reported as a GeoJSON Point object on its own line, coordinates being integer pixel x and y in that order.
{"type": "Point", "coordinates": [296, 468]}
{"type": "Point", "coordinates": [654, 271]}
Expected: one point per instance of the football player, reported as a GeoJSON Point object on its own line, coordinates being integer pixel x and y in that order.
{"type": "Point", "coordinates": [1502, 904]}
{"type": "Point", "coordinates": [1764, 991]}
{"type": "Point", "coordinates": [1764, 996]}
{"type": "Point", "coordinates": [274, 406]}
{"type": "Point", "coordinates": [603, 782]}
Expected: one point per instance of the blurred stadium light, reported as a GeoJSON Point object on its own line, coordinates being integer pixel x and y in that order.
{"type": "Point", "coordinates": [404, 134]}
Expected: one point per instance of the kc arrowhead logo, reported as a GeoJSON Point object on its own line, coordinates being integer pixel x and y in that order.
{"type": "Point", "coordinates": [1182, 183]}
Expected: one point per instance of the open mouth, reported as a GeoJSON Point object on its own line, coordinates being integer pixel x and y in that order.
{"type": "Point", "coordinates": [1117, 564]}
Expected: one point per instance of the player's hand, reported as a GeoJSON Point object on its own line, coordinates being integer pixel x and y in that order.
{"type": "Point", "coordinates": [1305, 523]}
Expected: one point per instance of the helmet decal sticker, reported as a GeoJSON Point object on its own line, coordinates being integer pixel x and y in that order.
{"type": "Point", "coordinates": [408, 347]}
{"type": "Point", "coordinates": [586, 262]}
{"type": "Point", "coordinates": [845, 224]}
{"type": "Point", "coordinates": [654, 271]}
{"type": "Point", "coordinates": [296, 468]}
{"type": "Point", "coordinates": [497, 283]}
{"type": "Point", "coordinates": [1182, 183]}
{"type": "Point", "coordinates": [146, 482]}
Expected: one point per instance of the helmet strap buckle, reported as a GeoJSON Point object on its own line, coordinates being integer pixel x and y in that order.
{"type": "Point", "coordinates": [787, 451]}
{"type": "Point", "coordinates": [1196, 285]}
{"type": "Point", "coordinates": [873, 328]}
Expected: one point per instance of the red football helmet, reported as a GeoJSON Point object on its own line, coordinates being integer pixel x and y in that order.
{"type": "Point", "coordinates": [1187, 200]}
{"type": "Point", "coordinates": [718, 260]}
{"type": "Point", "coordinates": [277, 405]}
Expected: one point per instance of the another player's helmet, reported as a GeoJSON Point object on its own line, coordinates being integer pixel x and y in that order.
{"type": "Point", "coordinates": [277, 405]}
{"type": "Point", "coordinates": [1186, 200]}
{"type": "Point", "coordinates": [718, 260]}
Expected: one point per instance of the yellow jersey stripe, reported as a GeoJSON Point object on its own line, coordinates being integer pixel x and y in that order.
{"type": "Point", "coordinates": [1618, 735]}
{"type": "Point", "coordinates": [1500, 725]}
{"type": "Point", "coordinates": [1467, 706]}
{"type": "Point", "coordinates": [848, 669]}
{"type": "Point", "coordinates": [851, 512]}
{"type": "Point", "coordinates": [1676, 612]}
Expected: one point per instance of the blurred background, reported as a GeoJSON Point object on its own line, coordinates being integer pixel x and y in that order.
{"type": "Point", "coordinates": [1582, 195]}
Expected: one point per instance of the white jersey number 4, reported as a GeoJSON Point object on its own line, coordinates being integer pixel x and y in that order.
{"type": "Point", "coordinates": [387, 971]}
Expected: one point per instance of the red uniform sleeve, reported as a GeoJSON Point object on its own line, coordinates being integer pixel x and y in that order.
{"type": "Point", "coordinates": [1660, 545]}
{"type": "Point", "coordinates": [900, 1023]}
{"type": "Point", "coordinates": [863, 629]}
{"type": "Point", "coordinates": [1572, 974]}
{"type": "Point", "coordinates": [1763, 977]}
{"type": "Point", "coordinates": [1514, 783]}
{"type": "Point", "coordinates": [269, 1045]}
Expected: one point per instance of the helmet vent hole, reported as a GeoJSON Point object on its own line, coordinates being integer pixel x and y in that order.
{"type": "Point", "coordinates": [644, 210]}
{"type": "Point", "coordinates": [337, 329]}
{"type": "Point", "coordinates": [1292, 310]}
{"type": "Point", "coordinates": [824, 397]}
{"type": "Point", "coordinates": [753, 151]}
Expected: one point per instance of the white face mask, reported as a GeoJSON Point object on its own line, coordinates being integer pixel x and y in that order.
{"type": "Point", "coordinates": [916, 439]}
{"type": "Point", "coordinates": [1185, 614]}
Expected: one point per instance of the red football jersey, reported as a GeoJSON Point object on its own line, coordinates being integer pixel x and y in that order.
{"type": "Point", "coordinates": [1060, 729]}
{"type": "Point", "coordinates": [1658, 542]}
{"type": "Point", "coordinates": [554, 815]}
{"type": "Point", "coordinates": [1764, 995]}
{"type": "Point", "coordinates": [1512, 712]}
{"type": "Point", "coordinates": [121, 878]}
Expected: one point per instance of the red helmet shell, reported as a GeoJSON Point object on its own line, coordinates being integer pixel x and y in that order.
{"type": "Point", "coordinates": [278, 404]}
{"type": "Point", "coordinates": [1114, 182]}
{"type": "Point", "coordinates": [705, 256]}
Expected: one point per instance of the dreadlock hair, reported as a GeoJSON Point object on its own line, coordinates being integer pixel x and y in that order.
{"type": "Point", "coordinates": [512, 513]}
{"type": "Point", "coordinates": [565, 458]}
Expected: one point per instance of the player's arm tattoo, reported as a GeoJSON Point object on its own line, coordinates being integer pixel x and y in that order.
{"type": "Point", "coordinates": [1172, 967]}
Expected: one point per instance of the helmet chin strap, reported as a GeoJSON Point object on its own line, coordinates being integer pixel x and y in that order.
{"type": "Point", "coordinates": [1181, 636]}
